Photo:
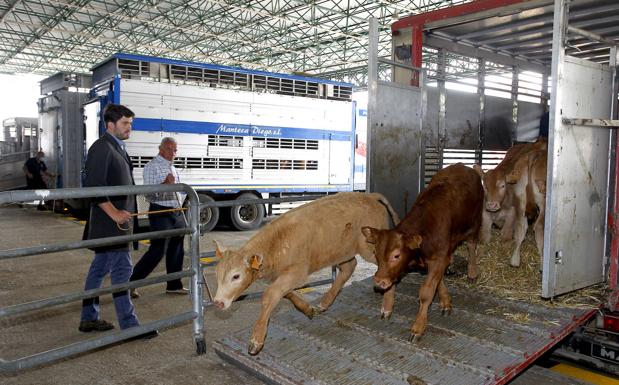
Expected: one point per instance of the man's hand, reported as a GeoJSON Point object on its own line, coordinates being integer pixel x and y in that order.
{"type": "Point", "coordinates": [118, 216]}
{"type": "Point", "coordinates": [169, 179]}
{"type": "Point", "coordinates": [121, 217]}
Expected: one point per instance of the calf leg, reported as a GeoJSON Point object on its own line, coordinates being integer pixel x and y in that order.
{"type": "Point", "coordinates": [346, 270]}
{"type": "Point", "coordinates": [472, 270]}
{"type": "Point", "coordinates": [539, 231]}
{"type": "Point", "coordinates": [444, 297]}
{"type": "Point", "coordinates": [272, 295]}
{"type": "Point", "coordinates": [486, 226]}
{"type": "Point", "coordinates": [300, 304]}
{"type": "Point", "coordinates": [519, 234]}
{"type": "Point", "coordinates": [507, 231]}
{"type": "Point", "coordinates": [436, 270]}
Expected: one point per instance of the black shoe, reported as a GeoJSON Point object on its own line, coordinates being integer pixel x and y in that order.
{"type": "Point", "coordinates": [95, 326]}
{"type": "Point", "coordinates": [146, 336]}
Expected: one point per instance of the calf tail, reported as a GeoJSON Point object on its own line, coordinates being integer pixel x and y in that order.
{"type": "Point", "coordinates": [383, 201]}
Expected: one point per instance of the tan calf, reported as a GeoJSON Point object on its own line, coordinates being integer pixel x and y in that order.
{"type": "Point", "coordinates": [506, 198]}
{"type": "Point", "coordinates": [529, 185]}
{"type": "Point", "coordinates": [322, 233]}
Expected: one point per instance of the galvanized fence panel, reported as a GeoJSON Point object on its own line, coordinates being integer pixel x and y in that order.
{"type": "Point", "coordinates": [194, 272]}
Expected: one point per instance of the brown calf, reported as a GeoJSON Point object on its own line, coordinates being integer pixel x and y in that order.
{"type": "Point", "coordinates": [319, 234]}
{"type": "Point", "coordinates": [505, 196]}
{"type": "Point", "coordinates": [446, 213]}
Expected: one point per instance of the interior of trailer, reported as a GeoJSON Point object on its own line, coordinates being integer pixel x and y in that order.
{"type": "Point", "coordinates": [489, 76]}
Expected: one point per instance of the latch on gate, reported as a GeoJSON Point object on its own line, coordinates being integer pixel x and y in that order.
{"type": "Point", "coordinates": [559, 257]}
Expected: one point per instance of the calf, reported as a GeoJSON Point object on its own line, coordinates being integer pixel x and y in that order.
{"type": "Point", "coordinates": [528, 179]}
{"type": "Point", "coordinates": [446, 213]}
{"type": "Point", "coordinates": [505, 196]}
{"type": "Point", "coordinates": [323, 233]}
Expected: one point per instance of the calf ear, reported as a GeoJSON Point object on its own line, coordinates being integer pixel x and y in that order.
{"type": "Point", "coordinates": [218, 250]}
{"type": "Point", "coordinates": [255, 262]}
{"type": "Point", "coordinates": [477, 168]}
{"type": "Point", "coordinates": [412, 241]}
{"type": "Point", "coordinates": [370, 234]}
{"type": "Point", "coordinates": [513, 176]}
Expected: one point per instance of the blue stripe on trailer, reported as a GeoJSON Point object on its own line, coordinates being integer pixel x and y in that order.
{"type": "Point", "coordinates": [233, 129]}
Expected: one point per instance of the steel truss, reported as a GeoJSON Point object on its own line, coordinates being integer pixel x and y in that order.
{"type": "Point", "coordinates": [326, 38]}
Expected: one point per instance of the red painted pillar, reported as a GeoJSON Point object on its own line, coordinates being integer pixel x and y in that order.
{"type": "Point", "coordinates": [417, 53]}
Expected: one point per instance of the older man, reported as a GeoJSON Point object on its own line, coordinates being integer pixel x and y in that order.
{"type": "Point", "coordinates": [161, 170]}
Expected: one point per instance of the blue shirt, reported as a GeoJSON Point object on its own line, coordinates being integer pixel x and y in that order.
{"type": "Point", "coordinates": [155, 172]}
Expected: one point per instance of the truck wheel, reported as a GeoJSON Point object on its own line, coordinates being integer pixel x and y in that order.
{"type": "Point", "coordinates": [209, 216]}
{"type": "Point", "coordinates": [247, 217]}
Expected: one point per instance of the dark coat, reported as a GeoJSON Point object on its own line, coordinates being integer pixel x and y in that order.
{"type": "Point", "coordinates": [108, 164]}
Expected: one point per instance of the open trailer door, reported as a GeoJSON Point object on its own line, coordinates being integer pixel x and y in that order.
{"type": "Point", "coordinates": [578, 168]}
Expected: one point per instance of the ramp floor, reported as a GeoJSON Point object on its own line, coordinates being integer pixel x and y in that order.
{"type": "Point", "coordinates": [486, 340]}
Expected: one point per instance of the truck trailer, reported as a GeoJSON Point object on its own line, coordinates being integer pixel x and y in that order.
{"type": "Point", "coordinates": [241, 133]}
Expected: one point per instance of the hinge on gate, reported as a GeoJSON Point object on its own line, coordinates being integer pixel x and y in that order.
{"type": "Point", "coordinates": [559, 257]}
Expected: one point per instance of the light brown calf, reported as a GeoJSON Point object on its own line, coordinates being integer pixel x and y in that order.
{"type": "Point", "coordinates": [529, 180]}
{"type": "Point", "coordinates": [506, 197]}
{"type": "Point", "coordinates": [319, 234]}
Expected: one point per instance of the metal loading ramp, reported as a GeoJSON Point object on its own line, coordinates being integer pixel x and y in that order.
{"type": "Point", "coordinates": [479, 343]}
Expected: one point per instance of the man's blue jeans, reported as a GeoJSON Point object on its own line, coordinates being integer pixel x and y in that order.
{"type": "Point", "coordinates": [118, 264]}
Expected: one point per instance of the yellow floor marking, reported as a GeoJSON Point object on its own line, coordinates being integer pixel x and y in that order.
{"type": "Point", "coordinates": [208, 259]}
{"type": "Point", "coordinates": [306, 290]}
{"type": "Point", "coordinates": [585, 375]}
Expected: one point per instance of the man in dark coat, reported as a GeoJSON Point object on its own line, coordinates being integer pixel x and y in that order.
{"type": "Point", "coordinates": [109, 165]}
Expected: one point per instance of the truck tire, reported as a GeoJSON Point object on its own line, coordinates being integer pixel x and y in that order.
{"type": "Point", "coordinates": [209, 216]}
{"type": "Point", "coordinates": [247, 217]}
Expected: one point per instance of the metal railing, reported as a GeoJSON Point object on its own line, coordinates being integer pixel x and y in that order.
{"type": "Point", "coordinates": [194, 272]}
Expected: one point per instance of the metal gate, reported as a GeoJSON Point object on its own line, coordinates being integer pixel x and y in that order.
{"type": "Point", "coordinates": [578, 168]}
{"type": "Point", "coordinates": [395, 114]}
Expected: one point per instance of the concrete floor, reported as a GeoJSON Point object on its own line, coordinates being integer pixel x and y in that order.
{"type": "Point", "coordinates": [168, 359]}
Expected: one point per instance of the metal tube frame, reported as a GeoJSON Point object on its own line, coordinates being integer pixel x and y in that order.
{"type": "Point", "coordinates": [196, 314]}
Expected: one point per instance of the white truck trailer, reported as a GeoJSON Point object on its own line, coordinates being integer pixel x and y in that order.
{"type": "Point", "coordinates": [241, 133]}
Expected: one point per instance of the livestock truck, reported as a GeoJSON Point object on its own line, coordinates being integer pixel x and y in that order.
{"type": "Point", "coordinates": [241, 133]}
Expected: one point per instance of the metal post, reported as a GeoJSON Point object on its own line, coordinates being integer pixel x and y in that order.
{"type": "Point", "coordinates": [197, 277]}
{"type": "Point", "coordinates": [559, 35]}
{"type": "Point", "coordinates": [372, 96]}
{"type": "Point", "coordinates": [515, 102]}
{"type": "Point", "coordinates": [442, 101]}
{"type": "Point", "coordinates": [481, 92]}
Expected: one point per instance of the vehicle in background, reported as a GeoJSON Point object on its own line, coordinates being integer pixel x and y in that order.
{"type": "Point", "coordinates": [19, 142]}
{"type": "Point", "coordinates": [61, 126]}
{"type": "Point", "coordinates": [361, 135]}
{"type": "Point", "coordinates": [241, 133]}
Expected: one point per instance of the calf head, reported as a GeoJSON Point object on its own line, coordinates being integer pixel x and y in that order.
{"type": "Point", "coordinates": [495, 187]}
{"type": "Point", "coordinates": [235, 272]}
{"type": "Point", "coordinates": [393, 251]}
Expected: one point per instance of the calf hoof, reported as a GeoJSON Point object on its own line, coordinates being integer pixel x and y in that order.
{"type": "Point", "coordinates": [319, 309]}
{"type": "Point", "coordinates": [414, 338]}
{"type": "Point", "coordinates": [385, 314]}
{"type": "Point", "coordinates": [254, 348]}
{"type": "Point", "coordinates": [446, 311]}
{"type": "Point", "coordinates": [514, 263]}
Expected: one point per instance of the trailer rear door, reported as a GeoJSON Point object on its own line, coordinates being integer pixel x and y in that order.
{"type": "Point", "coordinates": [578, 163]}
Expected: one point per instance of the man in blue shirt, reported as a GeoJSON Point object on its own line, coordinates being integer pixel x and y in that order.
{"type": "Point", "coordinates": [161, 170]}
